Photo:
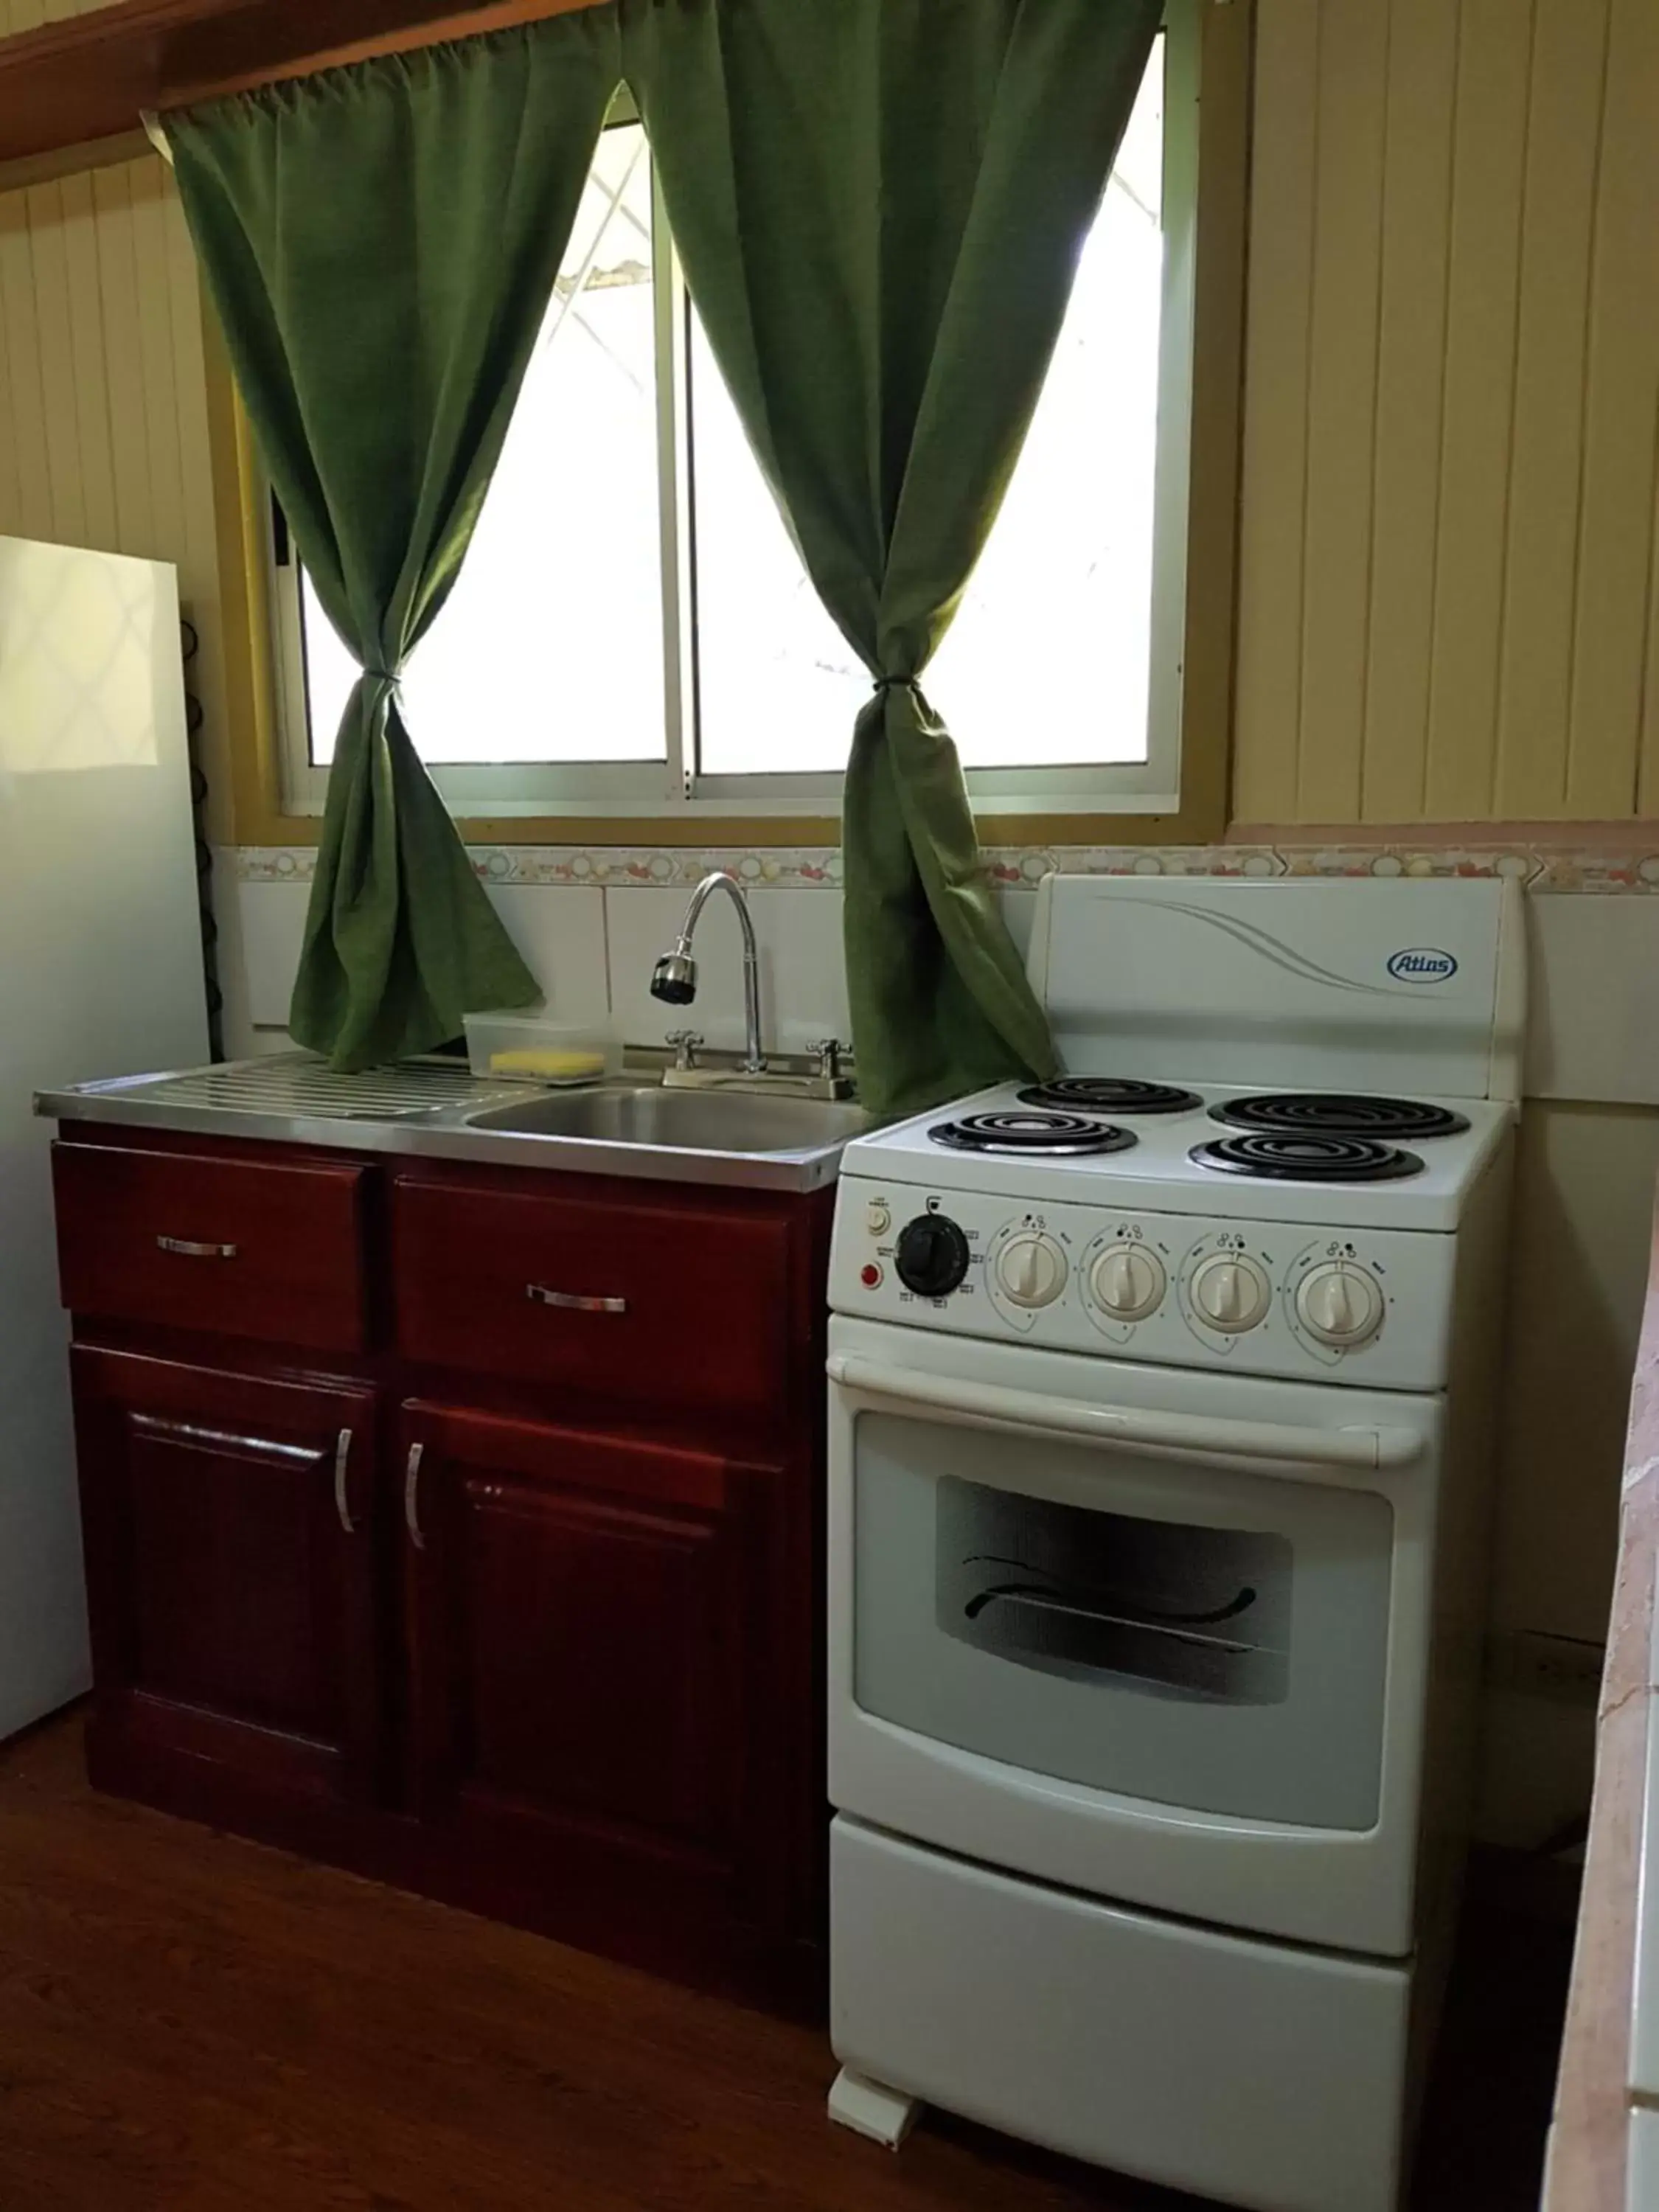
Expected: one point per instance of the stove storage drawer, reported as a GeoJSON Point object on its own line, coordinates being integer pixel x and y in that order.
{"type": "Point", "coordinates": [672, 1306]}
{"type": "Point", "coordinates": [1259, 2073]}
{"type": "Point", "coordinates": [226, 1247]}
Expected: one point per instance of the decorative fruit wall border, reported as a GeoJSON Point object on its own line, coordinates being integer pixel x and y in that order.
{"type": "Point", "coordinates": [1540, 866]}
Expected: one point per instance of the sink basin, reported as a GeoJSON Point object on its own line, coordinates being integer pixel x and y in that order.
{"type": "Point", "coordinates": [721, 1137]}
{"type": "Point", "coordinates": [682, 1120]}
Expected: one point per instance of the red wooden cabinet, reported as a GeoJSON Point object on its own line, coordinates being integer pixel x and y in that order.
{"type": "Point", "coordinates": [518, 1602]}
{"type": "Point", "coordinates": [228, 1527]}
{"type": "Point", "coordinates": [587, 1668]}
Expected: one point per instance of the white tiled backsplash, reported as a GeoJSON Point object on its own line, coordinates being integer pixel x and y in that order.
{"type": "Point", "coordinates": [562, 935]}
{"type": "Point", "coordinates": [803, 975]}
{"type": "Point", "coordinates": [1594, 1031]}
{"type": "Point", "coordinates": [593, 951]}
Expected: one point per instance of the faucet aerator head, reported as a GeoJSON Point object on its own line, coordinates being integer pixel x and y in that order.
{"type": "Point", "coordinates": [674, 980]}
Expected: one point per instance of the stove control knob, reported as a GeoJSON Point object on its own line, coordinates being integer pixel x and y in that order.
{"type": "Point", "coordinates": [1127, 1282]}
{"type": "Point", "coordinates": [932, 1256]}
{"type": "Point", "coordinates": [1230, 1292]}
{"type": "Point", "coordinates": [1341, 1304]}
{"type": "Point", "coordinates": [1030, 1269]}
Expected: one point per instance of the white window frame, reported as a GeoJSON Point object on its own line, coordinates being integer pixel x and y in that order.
{"type": "Point", "coordinates": [677, 786]}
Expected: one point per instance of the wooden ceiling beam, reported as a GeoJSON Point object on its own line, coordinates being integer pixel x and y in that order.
{"type": "Point", "coordinates": [87, 78]}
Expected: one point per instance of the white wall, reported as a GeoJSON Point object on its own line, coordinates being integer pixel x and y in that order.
{"type": "Point", "coordinates": [1580, 1248]}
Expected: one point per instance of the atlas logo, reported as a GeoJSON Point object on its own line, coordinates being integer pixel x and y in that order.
{"type": "Point", "coordinates": [1422, 964]}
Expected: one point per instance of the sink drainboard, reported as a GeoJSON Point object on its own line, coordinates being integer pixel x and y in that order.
{"type": "Point", "coordinates": [294, 1083]}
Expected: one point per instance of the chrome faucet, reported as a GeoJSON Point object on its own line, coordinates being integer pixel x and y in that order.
{"type": "Point", "coordinates": [674, 979]}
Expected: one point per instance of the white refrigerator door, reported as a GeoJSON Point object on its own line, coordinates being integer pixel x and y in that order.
{"type": "Point", "coordinates": [101, 974]}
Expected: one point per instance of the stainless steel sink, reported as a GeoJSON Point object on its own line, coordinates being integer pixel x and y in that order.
{"type": "Point", "coordinates": [720, 1136]}
{"type": "Point", "coordinates": [682, 1120]}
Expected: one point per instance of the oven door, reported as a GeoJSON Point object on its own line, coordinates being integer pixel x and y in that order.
{"type": "Point", "coordinates": [1158, 1636]}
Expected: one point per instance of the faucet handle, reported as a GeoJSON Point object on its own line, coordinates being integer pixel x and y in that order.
{"type": "Point", "coordinates": [829, 1050]}
{"type": "Point", "coordinates": [685, 1043]}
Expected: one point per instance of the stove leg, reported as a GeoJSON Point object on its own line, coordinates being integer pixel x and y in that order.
{"type": "Point", "coordinates": [886, 2115]}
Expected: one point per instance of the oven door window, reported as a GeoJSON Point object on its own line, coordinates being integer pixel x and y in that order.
{"type": "Point", "coordinates": [1199, 1636]}
{"type": "Point", "coordinates": [1177, 1610]}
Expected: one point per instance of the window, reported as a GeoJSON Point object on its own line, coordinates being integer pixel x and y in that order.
{"type": "Point", "coordinates": [599, 654]}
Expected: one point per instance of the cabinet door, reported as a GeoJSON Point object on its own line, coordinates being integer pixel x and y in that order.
{"type": "Point", "coordinates": [588, 1665]}
{"type": "Point", "coordinates": [230, 1572]}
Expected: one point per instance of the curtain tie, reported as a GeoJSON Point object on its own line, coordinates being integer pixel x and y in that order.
{"type": "Point", "coordinates": [894, 682]}
{"type": "Point", "coordinates": [383, 675]}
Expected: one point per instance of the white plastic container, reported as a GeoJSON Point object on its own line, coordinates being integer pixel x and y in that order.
{"type": "Point", "coordinates": [530, 1048]}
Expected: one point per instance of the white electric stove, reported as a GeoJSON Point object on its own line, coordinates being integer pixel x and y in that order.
{"type": "Point", "coordinates": [1159, 1417]}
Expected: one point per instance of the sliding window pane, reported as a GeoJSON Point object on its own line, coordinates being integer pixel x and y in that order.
{"type": "Point", "coordinates": [778, 685]}
{"type": "Point", "coordinates": [549, 648]}
{"type": "Point", "coordinates": [1047, 661]}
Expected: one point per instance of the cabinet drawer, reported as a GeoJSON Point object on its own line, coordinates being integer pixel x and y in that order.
{"type": "Point", "coordinates": [663, 1306]}
{"type": "Point", "coordinates": [234, 1248]}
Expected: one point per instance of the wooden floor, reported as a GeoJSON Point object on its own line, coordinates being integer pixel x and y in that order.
{"type": "Point", "coordinates": [189, 2023]}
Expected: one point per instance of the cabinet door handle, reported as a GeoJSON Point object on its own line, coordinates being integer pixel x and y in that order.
{"type": "Point", "coordinates": [412, 1497]}
{"type": "Point", "coordinates": [571, 1304]}
{"type": "Point", "coordinates": [342, 1503]}
{"type": "Point", "coordinates": [183, 1246]}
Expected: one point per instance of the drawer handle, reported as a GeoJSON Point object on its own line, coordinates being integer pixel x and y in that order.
{"type": "Point", "coordinates": [186, 1250]}
{"type": "Point", "coordinates": [342, 1503]}
{"type": "Point", "coordinates": [412, 1497]}
{"type": "Point", "coordinates": [569, 1302]}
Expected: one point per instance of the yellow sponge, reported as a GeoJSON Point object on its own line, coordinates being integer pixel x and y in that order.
{"type": "Point", "coordinates": [551, 1066]}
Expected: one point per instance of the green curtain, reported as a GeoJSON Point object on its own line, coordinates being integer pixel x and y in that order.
{"type": "Point", "coordinates": [380, 242]}
{"type": "Point", "coordinates": [879, 204]}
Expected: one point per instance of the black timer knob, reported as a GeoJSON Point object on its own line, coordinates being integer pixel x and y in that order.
{"type": "Point", "coordinates": [932, 1256]}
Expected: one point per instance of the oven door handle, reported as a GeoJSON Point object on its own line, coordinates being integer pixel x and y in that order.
{"type": "Point", "coordinates": [1124, 1428]}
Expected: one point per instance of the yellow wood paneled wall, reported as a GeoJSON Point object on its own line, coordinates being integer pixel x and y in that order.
{"type": "Point", "coordinates": [1450, 600]}
{"type": "Point", "coordinates": [29, 15]}
{"type": "Point", "coordinates": [1449, 597]}
{"type": "Point", "coordinates": [103, 393]}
